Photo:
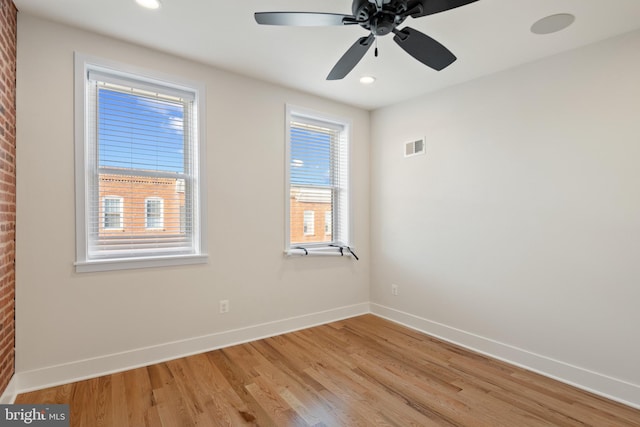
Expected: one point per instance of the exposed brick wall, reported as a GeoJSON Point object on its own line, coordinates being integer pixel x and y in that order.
{"type": "Point", "coordinates": [8, 27]}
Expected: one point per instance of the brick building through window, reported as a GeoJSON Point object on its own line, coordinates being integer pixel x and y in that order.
{"type": "Point", "coordinates": [141, 205]}
{"type": "Point", "coordinates": [310, 204]}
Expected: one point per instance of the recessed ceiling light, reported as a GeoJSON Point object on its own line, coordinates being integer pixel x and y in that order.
{"type": "Point", "coordinates": [552, 23]}
{"type": "Point", "coordinates": [367, 80]}
{"type": "Point", "coordinates": [149, 4]}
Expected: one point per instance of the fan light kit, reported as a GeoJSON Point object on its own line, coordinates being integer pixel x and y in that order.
{"type": "Point", "coordinates": [379, 18]}
{"type": "Point", "coordinates": [149, 4]}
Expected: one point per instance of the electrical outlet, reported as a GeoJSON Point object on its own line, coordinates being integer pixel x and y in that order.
{"type": "Point", "coordinates": [224, 306]}
{"type": "Point", "coordinates": [394, 290]}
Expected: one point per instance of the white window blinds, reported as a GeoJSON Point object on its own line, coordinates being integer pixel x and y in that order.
{"type": "Point", "coordinates": [141, 169]}
{"type": "Point", "coordinates": [318, 182]}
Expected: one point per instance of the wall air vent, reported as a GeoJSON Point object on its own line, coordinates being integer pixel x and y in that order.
{"type": "Point", "coordinates": [414, 148]}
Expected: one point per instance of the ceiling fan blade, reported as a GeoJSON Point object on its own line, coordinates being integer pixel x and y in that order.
{"type": "Point", "coordinates": [423, 48]}
{"type": "Point", "coordinates": [351, 58]}
{"type": "Point", "coordinates": [303, 19]}
{"type": "Point", "coordinates": [429, 7]}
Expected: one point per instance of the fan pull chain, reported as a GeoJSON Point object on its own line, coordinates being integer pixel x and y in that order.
{"type": "Point", "coordinates": [375, 52]}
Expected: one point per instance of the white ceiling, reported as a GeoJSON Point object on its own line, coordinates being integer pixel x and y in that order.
{"type": "Point", "coordinates": [486, 36]}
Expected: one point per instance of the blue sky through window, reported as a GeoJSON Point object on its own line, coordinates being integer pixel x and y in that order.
{"type": "Point", "coordinates": [310, 157]}
{"type": "Point", "coordinates": [140, 132]}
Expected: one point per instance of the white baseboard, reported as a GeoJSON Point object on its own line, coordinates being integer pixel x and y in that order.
{"type": "Point", "coordinates": [90, 368]}
{"type": "Point", "coordinates": [603, 385]}
{"type": "Point", "coordinates": [10, 393]}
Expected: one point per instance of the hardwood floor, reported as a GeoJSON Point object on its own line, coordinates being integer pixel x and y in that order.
{"type": "Point", "coordinates": [363, 371]}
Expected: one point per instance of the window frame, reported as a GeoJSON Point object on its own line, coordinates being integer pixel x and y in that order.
{"type": "Point", "coordinates": [85, 172]}
{"type": "Point", "coordinates": [345, 213]}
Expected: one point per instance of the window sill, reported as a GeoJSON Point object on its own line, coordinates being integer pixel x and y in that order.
{"type": "Point", "coordinates": [318, 251]}
{"type": "Point", "coordinates": [134, 263]}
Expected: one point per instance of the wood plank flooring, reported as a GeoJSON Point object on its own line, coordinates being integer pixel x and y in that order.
{"type": "Point", "coordinates": [363, 371]}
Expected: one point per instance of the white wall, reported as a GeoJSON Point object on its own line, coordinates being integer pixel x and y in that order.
{"type": "Point", "coordinates": [65, 318]}
{"type": "Point", "coordinates": [518, 233]}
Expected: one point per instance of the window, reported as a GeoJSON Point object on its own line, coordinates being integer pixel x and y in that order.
{"type": "Point", "coordinates": [138, 137]}
{"type": "Point", "coordinates": [327, 223]}
{"type": "Point", "coordinates": [317, 183]}
{"type": "Point", "coordinates": [154, 213]}
{"type": "Point", "coordinates": [308, 228]}
{"type": "Point", "coordinates": [112, 211]}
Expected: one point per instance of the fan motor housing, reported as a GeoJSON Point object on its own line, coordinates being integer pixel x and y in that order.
{"type": "Point", "coordinates": [380, 22]}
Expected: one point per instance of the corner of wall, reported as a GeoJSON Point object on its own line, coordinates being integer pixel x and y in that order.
{"type": "Point", "coordinates": [10, 392]}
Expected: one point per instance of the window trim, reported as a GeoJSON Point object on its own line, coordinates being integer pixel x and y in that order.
{"type": "Point", "coordinates": [82, 65]}
{"type": "Point", "coordinates": [320, 248]}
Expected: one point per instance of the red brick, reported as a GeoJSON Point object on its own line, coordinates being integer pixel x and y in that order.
{"type": "Point", "coordinates": [8, 46]}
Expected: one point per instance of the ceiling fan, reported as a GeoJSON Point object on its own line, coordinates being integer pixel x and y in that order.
{"type": "Point", "coordinates": [379, 17]}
